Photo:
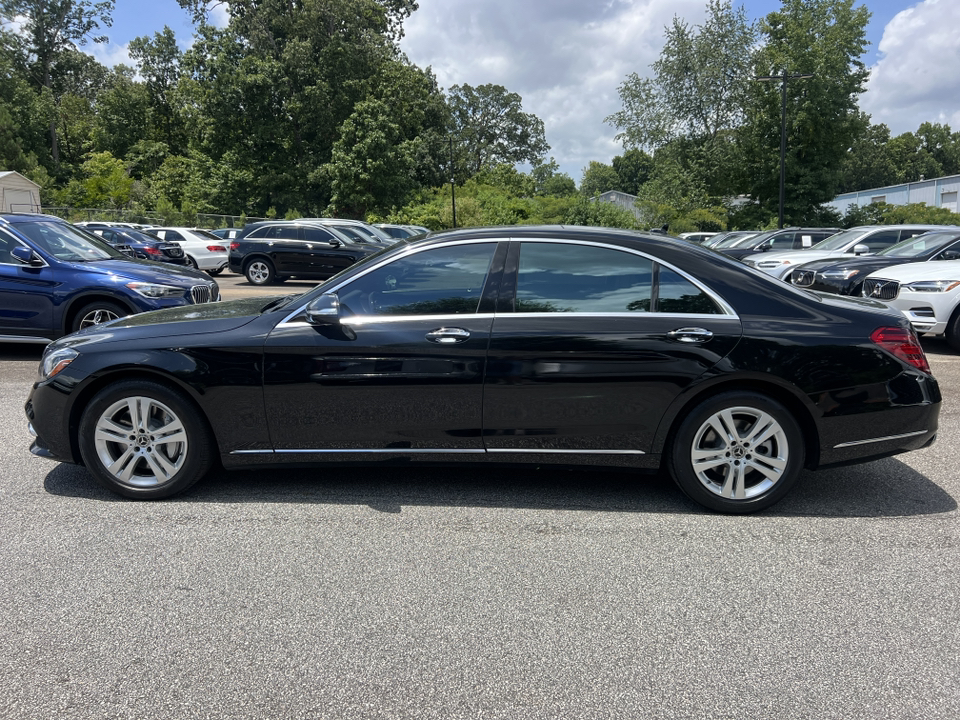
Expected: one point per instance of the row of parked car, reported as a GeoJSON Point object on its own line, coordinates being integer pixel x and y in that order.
{"type": "Point", "coordinates": [913, 268]}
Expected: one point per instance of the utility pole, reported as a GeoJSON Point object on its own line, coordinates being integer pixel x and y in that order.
{"type": "Point", "coordinates": [783, 77]}
{"type": "Point", "coordinates": [453, 185]}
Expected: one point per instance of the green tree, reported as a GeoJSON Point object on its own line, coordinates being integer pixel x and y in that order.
{"type": "Point", "coordinates": [491, 127]}
{"type": "Point", "coordinates": [267, 97]}
{"type": "Point", "coordinates": [122, 113]}
{"type": "Point", "coordinates": [51, 29]}
{"type": "Point", "coordinates": [911, 159]}
{"type": "Point", "coordinates": [107, 183]}
{"type": "Point", "coordinates": [633, 169]}
{"type": "Point", "coordinates": [598, 178]}
{"type": "Point", "coordinates": [548, 180]}
{"type": "Point", "coordinates": [826, 39]}
{"type": "Point", "coordinates": [595, 213]}
{"type": "Point", "coordinates": [868, 164]}
{"type": "Point", "coordinates": [158, 62]}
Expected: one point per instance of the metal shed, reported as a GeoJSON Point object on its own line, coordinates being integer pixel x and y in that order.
{"type": "Point", "coordinates": [17, 193]}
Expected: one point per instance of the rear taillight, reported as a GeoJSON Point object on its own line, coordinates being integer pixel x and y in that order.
{"type": "Point", "coordinates": [234, 245]}
{"type": "Point", "coordinates": [151, 250]}
{"type": "Point", "coordinates": [216, 248]}
{"type": "Point", "coordinates": [903, 344]}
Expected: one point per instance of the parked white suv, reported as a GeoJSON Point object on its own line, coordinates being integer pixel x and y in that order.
{"type": "Point", "coordinates": [927, 293]}
{"type": "Point", "coordinates": [864, 240]}
{"type": "Point", "coordinates": [203, 249]}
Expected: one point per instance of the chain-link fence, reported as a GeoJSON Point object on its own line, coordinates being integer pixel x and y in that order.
{"type": "Point", "coordinates": [204, 220]}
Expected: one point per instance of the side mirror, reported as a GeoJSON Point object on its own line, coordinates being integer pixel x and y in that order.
{"type": "Point", "coordinates": [861, 249]}
{"type": "Point", "coordinates": [949, 255]}
{"type": "Point", "coordinates": [335, 243]}
{"type": "Point", "coordinates": [26, 256]}
{"type": "Point", "coordinates": [324, 311]}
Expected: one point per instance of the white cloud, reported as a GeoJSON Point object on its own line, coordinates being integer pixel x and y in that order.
{"type": "Point", "coordinates": [566, 58]}
{"type": "Point", "coordinates": [219, 15]}
{"type": "Point", "coordinates": [110, 54]}
{"type": "Point", "coordinates": [916, 78]}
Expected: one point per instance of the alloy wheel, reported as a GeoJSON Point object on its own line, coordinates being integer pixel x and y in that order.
{"type": "Point", "coordinates": [140, 442]}
{"type": "Point", "coordinates": [95, 317]}
{"type": "Point", "coordinates": [739, 453]}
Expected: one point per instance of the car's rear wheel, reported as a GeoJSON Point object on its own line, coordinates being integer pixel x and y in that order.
{"type": "Point", "coordinates": [260, 272]}
{"type": "Point", "coordinates": [738, 452]}
{"type": "Point", "coordinates": [143, 440]}
{"type": "Point", "coordinates": [191, 262]}
{"type": "Point", "coordinates": [99, 311]}
{"type": "Point", "coordinates": [215, 271]}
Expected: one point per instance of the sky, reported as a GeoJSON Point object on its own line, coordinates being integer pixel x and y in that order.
{"type": "Point", "coordinates": [566, 58]}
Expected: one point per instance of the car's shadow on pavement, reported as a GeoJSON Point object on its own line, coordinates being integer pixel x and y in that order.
{"type": "Point", "coordinates": [885, 488]}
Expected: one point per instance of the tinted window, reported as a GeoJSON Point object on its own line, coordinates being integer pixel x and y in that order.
{"type": "Point", "coordinates": [881, 240]}
{"type": "Point", "coordinates": [315, 234]}
{"type": "Point", "coordinates": [66, 243]}
{"type": "Point", "coordinates": [444, 281]}
{"type": "Point", "coordinates": [581, 278]}
{"type": "Point", "coordinates": [260, 232]}
{"type": "Point", "coordinates": [783, 241]}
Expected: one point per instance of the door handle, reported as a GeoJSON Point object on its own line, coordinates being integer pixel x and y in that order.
{"type": "Point", "coordinates": [446, 336]}
{"type": "Point", "coordinates": [690, 335]}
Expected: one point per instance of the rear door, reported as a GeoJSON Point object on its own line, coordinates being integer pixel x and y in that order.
{"type": "Point", "coordinates": [591, 344]}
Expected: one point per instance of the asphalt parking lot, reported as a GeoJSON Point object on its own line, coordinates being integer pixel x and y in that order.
{"type": "Point", "coordinates": [477, 593]}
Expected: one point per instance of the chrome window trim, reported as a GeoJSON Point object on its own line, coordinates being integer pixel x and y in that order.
{"type": "Point", "coordinates": [434, 451]}
{"type": "Point", "coordinates": [728, 313]}
{"type": "Point", "coordinates": [406, 253]}
{"type": "Point", "coordinates": [723, 304]}
{"type": "Point", "coordinates": [551, 451]}
{"type": "Point", "coordinates": [880, 439]}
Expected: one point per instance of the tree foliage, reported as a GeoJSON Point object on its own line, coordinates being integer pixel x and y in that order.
{"type": "Point", "coordinates": [490, 127]}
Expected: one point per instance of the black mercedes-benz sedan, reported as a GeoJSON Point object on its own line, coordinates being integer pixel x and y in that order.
{"type": "Point", "coordinates": [845, 276]}
{"type": "Point", "coordinates": [507, 345]}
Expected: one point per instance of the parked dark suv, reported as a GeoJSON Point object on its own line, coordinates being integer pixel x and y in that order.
{"type": "Point", "coordinates": [141, 245]}
{"type": "Point", "coordinates": [56, 279]}
{"type": "Point", "coordinates": [794, 238]}
{"type": "Point", "coordinates": [270, 252]}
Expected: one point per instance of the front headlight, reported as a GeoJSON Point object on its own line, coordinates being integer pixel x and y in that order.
{"type": "Point", "coordinates": [55, 360]}
{"type": "Point", "coordinates": [152, 290]}
{"type": "Point", "coordinates": [932, 286]}
{"type": "Point", "coordinates": [840, 274]}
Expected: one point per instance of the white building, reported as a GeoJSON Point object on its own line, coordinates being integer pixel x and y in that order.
{"type": "Point", "coordinates": [17, 193]}
{"type": "Point", "coordinates": [939, 192]}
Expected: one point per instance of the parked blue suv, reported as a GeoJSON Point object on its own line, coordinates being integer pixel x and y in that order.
{"type": "Point", "coordinates": [56, 279]}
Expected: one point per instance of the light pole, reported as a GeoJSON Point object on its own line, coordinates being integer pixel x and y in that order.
{"type": "Point", "coordinates": [453, 185]}
{"type": "Point", "coordinates": [783, 77]}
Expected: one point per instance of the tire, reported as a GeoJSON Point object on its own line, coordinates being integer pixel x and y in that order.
{"type": "Point", "coordinates": [260, 271]}
{"type": "Point", "coordinates": [214, 272]}
{"type": "Point", "coordinates": [716, 461]}
{"type": "Point", "coordinates": [192, 263]}
{"type": "Point", "coordinates": [952, 333]}
{"type": "Point", "coordinates": [151, 465]}
{"type": "Point", "coordinates": [99, 311]}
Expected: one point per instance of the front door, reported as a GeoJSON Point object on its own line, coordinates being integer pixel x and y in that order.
{"type": "Point", "coordinates": [26, 294]}
{"type": "Point", "coordinates": [402, 371]}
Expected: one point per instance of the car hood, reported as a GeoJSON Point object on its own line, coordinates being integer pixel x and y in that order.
{"type": "Point", "coordinates": [865, 264]}
{"type": "Point", "coordinates": [795, 257]}
{"type": "Point", "coordinates": [208, 318]}
{"type": "Point", "coordinates": [911, 272]}
{"type": "Point", "coordinates": [144, 271]}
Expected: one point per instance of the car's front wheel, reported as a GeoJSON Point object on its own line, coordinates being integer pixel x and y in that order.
{"type": "Point", "coordinates": [260, 272]}
{"type": "Point", "coordinates": [97, 312]}
{"type": "Point", "coordinates": [143, 440]}
{"type": "Point", "coordinates": [738, 452]}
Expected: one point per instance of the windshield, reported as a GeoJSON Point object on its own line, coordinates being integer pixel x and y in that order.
{"type": "Point", "coordinates": [354, 234]}
{"type": "Point", "coordinates": [842, 239]}
{"type": "Point", "coordinates": [208, 235]}
{"type": "Point", "coordinates": [67, 243]}
{"type": "Point", "coordinates": [138, 237]}
{"type": "Point", "coordinates": [919, 245]}
{"type": "Point", "coordinates": [734, 240]}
